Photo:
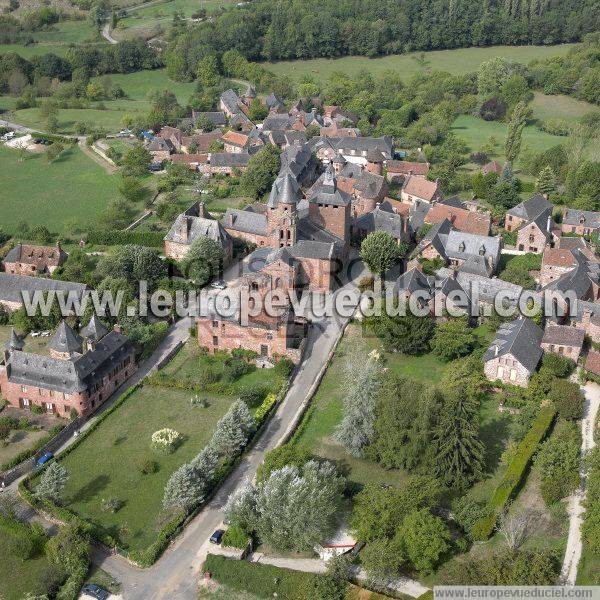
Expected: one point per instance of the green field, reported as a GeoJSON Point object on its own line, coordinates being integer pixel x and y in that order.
{"type": "Point", "coordinates": [559, 107]}
{"type": "Point", "coordinates": [463, 60]}
{"type": "Point", "coordinates": [145, 20]}
{"type": "Point", "coordinates": [476, 132]}
{"type": "Point", "coordinates": [34, 189]}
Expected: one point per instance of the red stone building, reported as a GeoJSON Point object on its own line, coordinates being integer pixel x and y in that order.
{"type": "Point", "coordinates": [78, 376]}
{"type": "Point", "coordinates": [564, 340]}
{"type": "Point", "coordinates": [28, 259]}
{"type": "Point", "coordinates": [398, 170]}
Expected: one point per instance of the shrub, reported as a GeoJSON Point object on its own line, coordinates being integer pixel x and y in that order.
{"type": "Point", "coordinates": [112, 505]}
{"type": "Point", "coordinates": [263, 410]}
{"type": "Point", "coordinates": [148, 467]}
{"type": "Point", "coordinates": [253, 395]}
{"type": "Point", "coordinates": [201, 402]}
{"type": "Point", "coordinates": [567, 398]}
{"type": "Point", "coordinates": [235, 537]}
{"type": "Point", "coordinates": [515, 473]}
{"type": "Point", "coordinates": [235, 368]}
{"type": "Point", "coordinates": [284, 367]}
{"type": "Point", "coordinates": [559, 366]}
{"type": "Point", "coordinates": [166, 440]}
{"type": "Point", "coordinates": [36, 409]}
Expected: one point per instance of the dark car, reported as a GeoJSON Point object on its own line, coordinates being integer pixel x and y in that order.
{"type": "Point", "coordinates": [95, 591]}
{"type": "Point", "coordinates": [216, 537]}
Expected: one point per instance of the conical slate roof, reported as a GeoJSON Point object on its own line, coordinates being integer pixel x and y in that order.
{"type": "Point", "coordinates": [65, 339]}
{"type": "Point", "coordinates": [15, 342]}
{"type": "Point", "coordinates": [285, 190]}
{"type": "Point", "coordinates": [95, 329]}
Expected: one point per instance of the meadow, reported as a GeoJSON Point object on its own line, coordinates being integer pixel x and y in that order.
{"type": "Point", "coordinates": [32, 188]}
{"type": "Point", "coordinates": [462, 60]}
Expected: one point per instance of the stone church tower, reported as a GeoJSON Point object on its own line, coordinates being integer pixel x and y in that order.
{"type": "Point", "coordinates": [282, 210]}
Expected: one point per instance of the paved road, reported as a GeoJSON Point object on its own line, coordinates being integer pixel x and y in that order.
{"type": "Point", "coordinates": [175, 575]}
{"type": "Point", "coordinates": [106, 34]}
{"type": "Point", "coordinates": [575, 506]}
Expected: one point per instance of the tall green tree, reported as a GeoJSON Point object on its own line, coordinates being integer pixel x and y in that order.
{"type": "Point", "coordinates": [546, 181]}
{"type": "Point", "coordinates": [52, 482]}
{"type": "Point", "coordinates": [262, 170]}
{"type": "Point", "coordinates": [203, 261]}
{"type": "Point", "coordinates": [380, 251]}
{"type": "Point", "coordinates": [518, 120]}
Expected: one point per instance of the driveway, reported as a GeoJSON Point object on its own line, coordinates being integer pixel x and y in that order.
{"type": "Point", "coordinates": [576, 502]}
{"type": "Point", "coordinates": [175, 574]}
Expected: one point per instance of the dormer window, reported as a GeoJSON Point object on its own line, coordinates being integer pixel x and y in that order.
{"type": "Point", "coordinates": [482, 251]}
{"type": "Point", "coordinates": [461, 247]}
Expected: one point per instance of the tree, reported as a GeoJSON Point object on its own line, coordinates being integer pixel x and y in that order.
{"type": "Point", "coordinates": [187, 487]}
{"type": "Point", "coordinates": [333, 584]}
{"type": "Point", "coordinates": [425, 539]}
{"type": "Point", "coordinates": [98, 14]}
{"type": "Point", "coordinates": [380, 252]}
{"type": "Point", "coordinates": [282, 456]}
{"type": "Point", "coordinates": [132, 189]}
{"type": "Point", "coordinates": [459, 450]}
{"type": "Point", "coordinates": [408, 334]}
{"type": "Point", "coordinates": [233, 430]}
{"type": "Point", "coordinates": [54, 151]}
{"type": "Point", "coordinates": [52, 483]}
{"type": "Point", "coordinates": [69, 551]}
{"type": "Point", "coordinates": [257, 111]}
{"type": "Point", "coordinates": [504, 195]}
{"type": "Point", "coordinates": [567, 397]}
{"type": "Point", "coordinates": [494, 73]}
{"type": "Point", "coordinates": [546, 181]}
{"type": "Point", "coordinates": [518, 120]}
{"type": "Point", "coordinates": [291, 509]}
{"type": "Point", "coordinates": [134, 264]}
{"type": "Point", "coordinates": [356, 429]}
{"type": "Point", "coordinates": [514, 526]}
{"type": "Point", "coordinates": [203, 261]}
{"type": "Point", "coordinates": [207, 71]}
{"type": "Point", "coordinates": [135, 161]}
{"type": "Point", "coordinates": [262, 170]}
{"type": "Point", "coordinates": [383, 557]}
{"type": "Point", "coordinates": [453, 339]}
{"type": "Point", "coordinates": [378, 512]}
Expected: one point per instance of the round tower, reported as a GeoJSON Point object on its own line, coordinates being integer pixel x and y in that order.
{"type": "Point", "coordinates": [375, 162]}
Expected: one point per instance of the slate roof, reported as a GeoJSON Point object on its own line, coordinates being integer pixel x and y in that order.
{"type": "Point", "coordinates": [487, 288]}
{"type": "Point", "coordinates": [229, 159]}
{"type": "Point", "coordinates": [315, 249]}
{"type": "Point", "coordinates": [532, 208]}
{"type": "Point", "coordinates": [15, 341]}
{"type": "Point", "coordinates": [563, 335]}
{"type": "Point", "coordinates": [189, 226]}
{"type": "Point", "coordinates": [412, 281]}
{"type": "Point", "coordinates": [370, 185]}
{"type": "Point", "coordinates": [217, 118]}
{"type": "Point", "coordinates": [307, 230]}
{"type": "Point", "coordinates": [73, 375]}
{"type": "Point", "coordinates": [286, 190]}
{"type": "Point", "coordinates": [95, 329]}
{"type": "Point", "coordinates": [522, 339]}
{"type": "Point", "coordinates": [461, 245]}
{"type": "Point", "coordinates": [274, 122]}
{"type": "Point", "coordinates": [381, 219]}
{"type": "Point", "coordinates": [65, 339]}
{"type": "Point", "coordinates": [325, 191]}
{"type": "Point", "coordinates": [230, 100]}
{"type": "Point", "coordinates": [585, 218]}
{"type": "Point", "coordinates": [580, 279]}
{"type": "Point", "coordinates": [246, 221]}
{"type": "Point", "coordinates": [263, 257]}
{"type": "Point", "coordinates": [362, 145]}
{"type": "Point", "coordinates": [12, 286]}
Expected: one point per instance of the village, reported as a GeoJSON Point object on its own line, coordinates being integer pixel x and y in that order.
{"type": "Point", "coordinates": [337, 199]}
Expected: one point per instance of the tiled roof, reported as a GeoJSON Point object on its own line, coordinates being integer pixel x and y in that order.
{"type": "Point", "coordinates": [40, 256]}
{"type": "Point", "coordinates": [404, 167]}
{"type": "Point", "coordinates": [584, 218]}
{"type": "Point", "coordinates": [592, 363]}
{"type": "Point", "coordinates": [558, 257]}
{"type": "Point", "coordinates": [234, 138]}
{"type": "Point", "coordinates": [420, 187]}
{"type": "Point", "coordinates": [461, 218]}
{"type": "Point", "coordinates": [563, 335]}
{"type": "Point", "coordinates": [201, 140]}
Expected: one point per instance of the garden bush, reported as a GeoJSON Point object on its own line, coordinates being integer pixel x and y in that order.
{"type": "Point", "coordinates": [235, 537]}
{"type": "Point", "coordinates": [515, 473]}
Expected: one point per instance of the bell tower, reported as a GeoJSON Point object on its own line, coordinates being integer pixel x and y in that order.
{"type": "Point", "coordinates": [282, 210]}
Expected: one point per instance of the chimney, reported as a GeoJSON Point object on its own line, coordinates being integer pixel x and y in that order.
{"type": "Point", "coordinates": [454, 274]}
{"type": "Point", "coordinates": [231, 220]}
{"type": "Point", "coordinates": [117, 328]}
{"type": "Point", "coordinates": [496, 350]}
{"type": "Point", "coordinates": [549, 224]}
{"type": "Point", "coordinates": [545, 196]}
{"type": "Point", "coordinates": [185, 228]}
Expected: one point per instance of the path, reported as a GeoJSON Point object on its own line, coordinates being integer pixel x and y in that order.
{"type": "Point", "coordinates": [575, 507]}
{"type": "Point", "coordinates": [106, 34]}
{"type": "Point", "coordinates": [110, 168]}
{"type": "Point", "coordinates": [175, 574]}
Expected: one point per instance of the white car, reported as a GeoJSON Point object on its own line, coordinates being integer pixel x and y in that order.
{"type": "Point", "coordinates": [218, 285]}
{"type": "Point", "coordinates": [8, 136]}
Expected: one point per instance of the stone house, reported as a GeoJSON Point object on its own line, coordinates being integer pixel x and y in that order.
{"type": "Point", "coordinates": [515, 352]}
{"type": "Point", "coordinates": [564, 340]}
{"type": "Point", "coordinates": [592, 362]}
{"type": "Point", "coordinates": [587, 319]}
{"type": "Point", "coordinates": [418, 189]}
{"type": "Point", "coordinates": [29, 259]}
{"type": "Point", "coordinates": [199, 142]}
{"type": "Point", "coordinates": [527, 211]}
{"type": "Point", "coordinates": [462, 219]}
{"type": "Point", "coordinates": [235, 142]}
{"type": "Point", "coordinates": [226, 163]}
{"type": "Point", "coordinates": [171, 135]}
{"type": "Point", "coordinates": [533, 236]}
{"type": "Point", "coordinates": [381, 218]}
{"type": "Point", "coordinates": [81, 372]}
{"type": "Point", "coordinates": [193, 161]}
{"type": "Point", "coordinates": [160, 149]}
{"type": "Point", "coordinates": [555, 263]}
{"type": "Point", "coordinates": [196, 222]}
{"type": "Point", "coordinates": [582, 222]}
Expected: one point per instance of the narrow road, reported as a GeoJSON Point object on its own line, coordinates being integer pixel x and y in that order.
{"type": "Point", "coordinates": [175, 574]}
{"type": "Point", "coordinates": [110, 168]}
{"type": "Point", "coordinates": [106, 34]}
{"type": "Point", "coordinates": [575, 506]}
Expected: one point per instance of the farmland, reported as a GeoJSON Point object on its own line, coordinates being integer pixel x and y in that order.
{"type": "Point", "coordinates": [463, 60]}
{"type": "Point", "coordinates": [33, 188]}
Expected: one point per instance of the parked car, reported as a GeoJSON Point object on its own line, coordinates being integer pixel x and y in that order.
{"type": "Point", "coordinates": [9, 135]}
{"type": "Point", "coordinates": [44, 458]}
{"type": "Point", "coordinates": [217, 536]}
{"type": "Point", "coordinates": [218, 285]}
{"type": "Point", "coordinates": [95, 591]}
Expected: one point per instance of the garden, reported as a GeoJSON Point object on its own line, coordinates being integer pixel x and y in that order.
{"type": "Point", "coordinates": [117, 477]}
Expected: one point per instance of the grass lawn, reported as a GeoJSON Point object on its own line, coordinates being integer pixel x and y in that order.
{"type": "Point", "coordinates": [18, 578]}
{"type": "Point", "coordinates": [35, 190]}
{"type": "Point", "coordinates": [69, 32]}
{"type": "Point", "coordinates": [476, 132]}
{"type": "Point", "coordinates": [107, 463]}
{"type": "Point", "coordinates": [19, 441]}
{"type": "Point", "coordinates": [559, 107]}
{"type": "Point", "coordinates": [589, 568]}
{"type": "Point", "coordinates": [463, 60]}
{"type": "Point", "coordinates": [34, 49]}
